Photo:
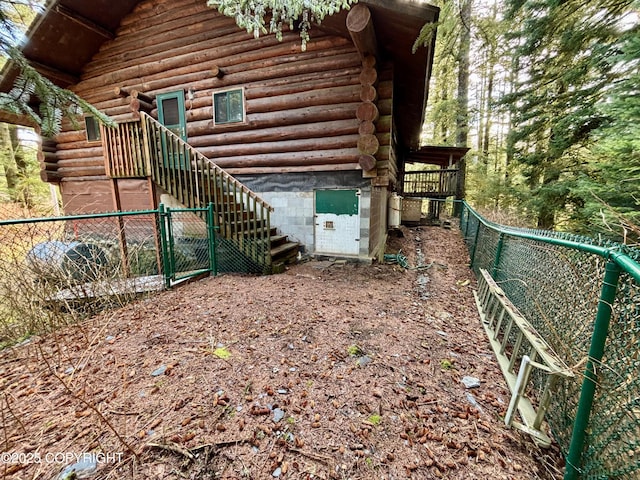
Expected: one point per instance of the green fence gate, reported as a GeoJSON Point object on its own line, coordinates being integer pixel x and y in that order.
{"type": "Point", "coordinates": [188, 244]}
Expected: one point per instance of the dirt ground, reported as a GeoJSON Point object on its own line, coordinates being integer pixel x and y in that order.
{"type": "Point", "coordinates": [327, 371]}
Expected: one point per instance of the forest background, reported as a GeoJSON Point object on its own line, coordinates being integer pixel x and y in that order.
{"type": "Point", "coordinates": [545, 93]}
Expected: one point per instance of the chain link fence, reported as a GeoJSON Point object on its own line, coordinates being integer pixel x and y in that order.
{"type": "Point", "coordinates": [56, 271]}
{"type": "Point", "coordinates": [557, 281]}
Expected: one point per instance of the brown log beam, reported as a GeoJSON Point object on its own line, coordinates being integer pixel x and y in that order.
{"type": "Point", "coordinates": [81, 162]}
{"type": "Point", "coordinates": [368, 144]}
{"type": "Point", "coordinates": [307, 144]}
{"type": "Point", "coordinates": [50, 177]}
{"type": "Point", "coordinates": [84, 22]}
{"type": "Point", "coordinates": [80, 153]}
{"type": "Point", "coordinates": [367, 162]}
{"type": "Point", "coordinates": [88, 178]}
{"type": "Point", "coordinates": [137, 105]}
{"type": "Point", "coordinates": [132, 51]}
{"type": "Point", "coordinates": [347, 155]}
{"type": "Point", "coordinates": [322, 113]}
{"type": "Point", "coordinates": [321, 67]}
{"type": "Point", "coordinates": [263, 51]}
{"type": "Point", "coordinates": [367, 111]}
{"type": "Point", "coordinates": [278, 133]}
{"type": "Point", "coordinates": [360, 26]}
{"type": "Point", "coordinates": [141, 96]}
{"type": "Point", "coordinates": [155, 8]}
{"type": "Point", "coordinates": [80, 172]}
{"type": "Point", "coordinates": [298, 169]}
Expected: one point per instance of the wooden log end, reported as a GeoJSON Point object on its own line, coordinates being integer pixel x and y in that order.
{"type": "Point", "coordinates": [358, 18]}
{"type": "Point", "coordinates": [367, 162]}
{"type": "Point", "coordinates": [368, 144]}
{"type": "Point", "coordinates": [369, 61]}
{"type": "Point", "coordinates": [141, 96]}
{"type": "Point", "coordinates": [367, 128]}
{"type": "Point", "coordinates": [368, 76]}
{"type": "Point", "coordinates": [50, 177]}
{"type": "Point", "coordinates": [121, 92]}
{"type": "Point", "coordinates": [368, 93]}
{"type": "Point", "coordinates": [217, 71]}
{"type": "Point", "coordinates": [367, 112]}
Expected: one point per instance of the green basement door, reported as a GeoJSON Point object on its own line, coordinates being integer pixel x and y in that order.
{"type": "Point", "coordinates": [337, 222]}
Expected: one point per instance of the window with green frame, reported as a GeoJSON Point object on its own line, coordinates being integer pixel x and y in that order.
{"type": "Point", "coordinates": [228, 106]}
{"type": "Point", "coordinates": [92, 128]}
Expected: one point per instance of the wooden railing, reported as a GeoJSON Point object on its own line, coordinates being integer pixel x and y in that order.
{"type": "Point", "coordinates": [124, 150]}
{"type": "Point", "coordinates": [195, 181]}
{"type": "Point", "coordinates": [442, 183]}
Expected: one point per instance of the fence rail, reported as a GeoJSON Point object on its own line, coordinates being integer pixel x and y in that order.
{"type": "Point", "coordinates": [442, 183]}
{"type": "Point", "coordinates": [58, 270]}
{"type": "Point", "coordinates": [583, 297]}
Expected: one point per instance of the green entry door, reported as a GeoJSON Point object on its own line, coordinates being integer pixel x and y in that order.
{"type": "Point", "coordinates": [337, 222]}
{"type": "Point", "coordinates": [171, 114]}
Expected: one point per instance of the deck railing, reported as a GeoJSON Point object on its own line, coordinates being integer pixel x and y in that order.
{"type": "Point", "coordinates": [430, 183]}
{"type": "Point", "coordinates": [124, 150]}
{"type": "Point", "coordinates": [147, 148]}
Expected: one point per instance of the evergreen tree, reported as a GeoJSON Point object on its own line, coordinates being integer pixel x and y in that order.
{"type": "Point", "coordinates": [564, 77]}
{"type": "Point", "coordinates": [610, 184]}
{"type": "Point", "coordinates": [253, 14]}
{"type": "Point", "coordinates": [31, 88]}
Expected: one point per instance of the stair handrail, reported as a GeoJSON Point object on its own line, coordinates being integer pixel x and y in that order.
{"type": "Point", "coordinates": [203, 158]}
{"type": "Point", "coordinates": [192, 178]}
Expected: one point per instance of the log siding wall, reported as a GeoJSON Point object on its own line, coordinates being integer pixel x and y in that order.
{"type": "Point", "coordinates": [300, 106]}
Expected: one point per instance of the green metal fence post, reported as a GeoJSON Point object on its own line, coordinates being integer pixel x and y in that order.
{"type": "Point", "coordinates": [466, 223]}
{"type": "Point", "coordinates": [496, 260]}
{"type": "Point", "coordinates": [163, 245]}
{"type": "Point", "coordinates": [213, 263]}
{"type": "Point", "coordinates": [596, 351]}
{"type": "Point", "coordinates": [475, 244]}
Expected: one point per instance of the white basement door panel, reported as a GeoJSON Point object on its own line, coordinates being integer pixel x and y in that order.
{"type": "Point", "coordinates": [337, 222]}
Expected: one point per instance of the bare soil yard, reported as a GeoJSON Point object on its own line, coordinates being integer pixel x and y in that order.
{"type": "Point", "coordinates": [328, 371]}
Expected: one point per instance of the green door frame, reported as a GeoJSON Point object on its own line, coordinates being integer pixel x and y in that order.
{"type": "Point", "coordinates": [172, 114]}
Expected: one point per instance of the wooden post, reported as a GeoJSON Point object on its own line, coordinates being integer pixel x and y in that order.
{"type": "Point", "coordinates": [360, 26]}
{"type": "Point", "coordinates": [122, 238]}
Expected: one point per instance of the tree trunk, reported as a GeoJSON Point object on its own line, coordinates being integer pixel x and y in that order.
{"type": "Point", "coordinates": [8, 158]}
{"type": "Point", "coordinates": [462, 117]}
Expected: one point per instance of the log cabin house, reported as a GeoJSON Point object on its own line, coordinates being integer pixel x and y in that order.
{"type": "Point", "coordinates": [309, 142]}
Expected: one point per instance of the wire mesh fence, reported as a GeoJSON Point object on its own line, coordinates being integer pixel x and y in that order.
{"type": "Point", "coordinates": [55, 271]}
{"type": "Point", "coordinates": [557, 281]}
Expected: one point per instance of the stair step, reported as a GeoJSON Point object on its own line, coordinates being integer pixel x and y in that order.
{"type": "Point", "coordinates": [285, 251]}
{"type": "Point", "coordinates": [277, 240]}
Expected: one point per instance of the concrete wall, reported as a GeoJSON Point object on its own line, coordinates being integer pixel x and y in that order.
{"type": "Point", "coordinates": [292, 197]}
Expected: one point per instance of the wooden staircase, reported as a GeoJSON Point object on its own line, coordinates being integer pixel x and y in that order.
{"type": "Point", "coordinates": [147, 148]}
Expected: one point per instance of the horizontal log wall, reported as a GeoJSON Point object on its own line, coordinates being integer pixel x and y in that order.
{"type": "Point", "coordinates": [300, 106]}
